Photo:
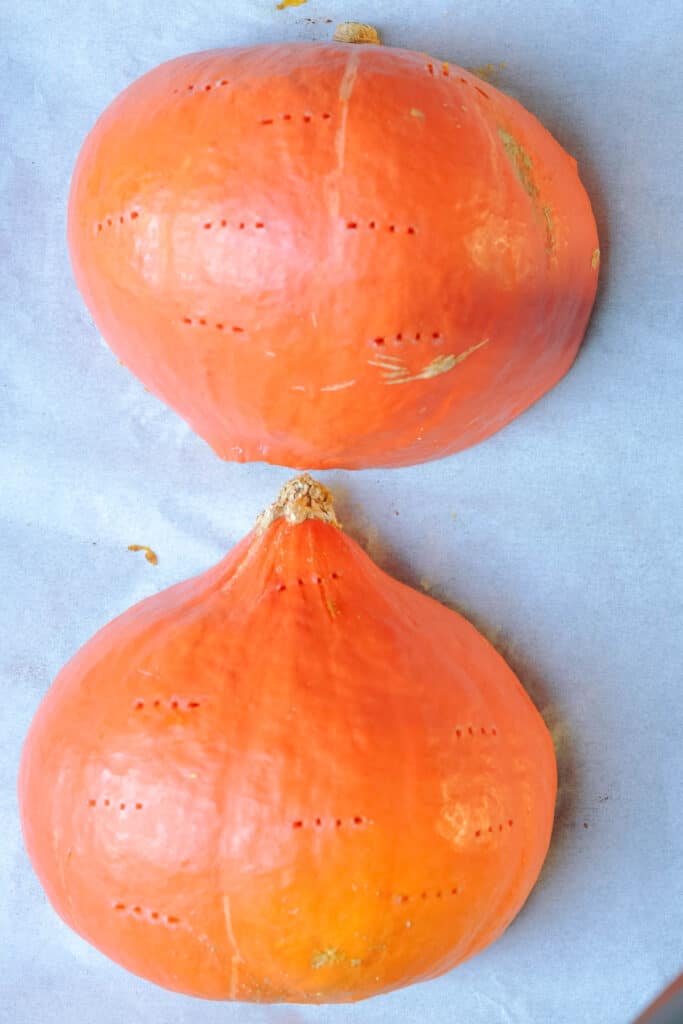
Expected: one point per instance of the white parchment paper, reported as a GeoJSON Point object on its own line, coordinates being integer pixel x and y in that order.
{"type": "Point", "coordinates": [559, 537]}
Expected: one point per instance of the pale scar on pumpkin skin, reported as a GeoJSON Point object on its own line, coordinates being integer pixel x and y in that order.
{"type": "Point", "coordinates": [396, 372]}
{"type": "Point", "coordinates": [339, 387]}
{"type": "Point", "coordinates": [328, 387]}
{"type": "Point", "coordinates": [595, 259]}
{"type": "Point", "coordinates": [332, 955]}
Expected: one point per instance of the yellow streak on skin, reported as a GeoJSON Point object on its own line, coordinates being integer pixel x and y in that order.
{"type": "Point", "coordinates": [595, 259]}
{"type": "Point", "coordinates": [395, 372]}
{"type": "Point", "coordinates": [237, 957]}
{"type": "Point", "coordinates": [345, 91]}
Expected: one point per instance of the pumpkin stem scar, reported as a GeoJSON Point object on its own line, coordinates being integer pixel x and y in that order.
{"type": "Point", "coordinates": [355, 32]}
{"type": "Point", "coordinates": [520, 160]}
{"type": "Point", "coordinates": [300, 499]}
{"type": "Point", "coordinates": [149, 554]}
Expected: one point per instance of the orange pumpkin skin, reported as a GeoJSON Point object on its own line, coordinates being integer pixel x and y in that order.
{"type": "Point", "coordinates": [291, 778]}
{"type": "Point", "coordinates": [332, 255]}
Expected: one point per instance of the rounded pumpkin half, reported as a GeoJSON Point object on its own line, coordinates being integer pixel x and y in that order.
{"type": "Point", "coordinates": [291, 778]}
{"type": "Point", "coordinates": [327, 254]}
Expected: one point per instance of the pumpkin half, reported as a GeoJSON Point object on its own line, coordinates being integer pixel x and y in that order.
{"type": "Point", "coordinates": [330, 254]}
{"type": "Point", "coordinates": [291, 778]}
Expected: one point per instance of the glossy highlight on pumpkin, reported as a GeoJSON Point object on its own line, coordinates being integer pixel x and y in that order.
{"type": "Point", "coordinates": [289, 779]}
{"type": "Point", "coordinates": [328, 254]}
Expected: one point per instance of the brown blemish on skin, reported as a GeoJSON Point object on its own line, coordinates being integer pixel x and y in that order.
{"type": "Point", "coordinates": [549, 229]}
{"type": "Point", "coordinates": [149, 554]}
{"type": "Point", "coordinates": [524, 170]}
{"type": "Point", "coordinates": [521, 162]}
{"type": "Point", "coordinates": [595, 259]}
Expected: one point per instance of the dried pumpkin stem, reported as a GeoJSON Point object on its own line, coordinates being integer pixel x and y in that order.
{"type": "Point", "coordinates": [301, 498]}
{"type": "Point", "coordinates": [355, 32]}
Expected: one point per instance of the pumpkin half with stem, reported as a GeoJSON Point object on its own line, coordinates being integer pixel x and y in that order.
{"type": "Point", "coordinates": [292, 778]}
{"type": "Point", "coordinates": [332, 254]}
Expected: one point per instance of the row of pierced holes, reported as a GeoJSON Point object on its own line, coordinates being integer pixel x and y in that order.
{"type": "Point", "coordinates": [470, 731]}
{"type": "Point", "coordinates": [314, 579]}
{"type": "Point", "coordinates": [183, 705]}
{"type": "Point", "coordinates": [171, 919]}
{"type": "Point", "coordinates": [201, 321]}
{"type": "Point", "coordinates": [424, 895]}
{"type": "Point", "coordinates": [134, 214]}
{"type": "Point", "coordinates": [354, 225]}
{"type": "Point", "coordinates": [358, 820]}
{"type": "Point", "coordinates": [307, 118]}
{"type": "Point", "coordinates": [258, 224]}
{"type": "Point", "coordinates": [108, 803]}
{"type": "Point", "coordinates": [446, 72]}
{"type": "Point", "coordinates": [321, 822]}
{"type": "Point", "coordinates": [483, 831]}
{"type": "Point", "coordinates": [400, 338]}
{"type": "Point", "coordinates": [109, 221]}
{"type": "Point", "coordinates": [153, 915]}
{"type": "Point", "coordinates": [351, 225]}
{"type": "Point", "coordinates": [206, 88]}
